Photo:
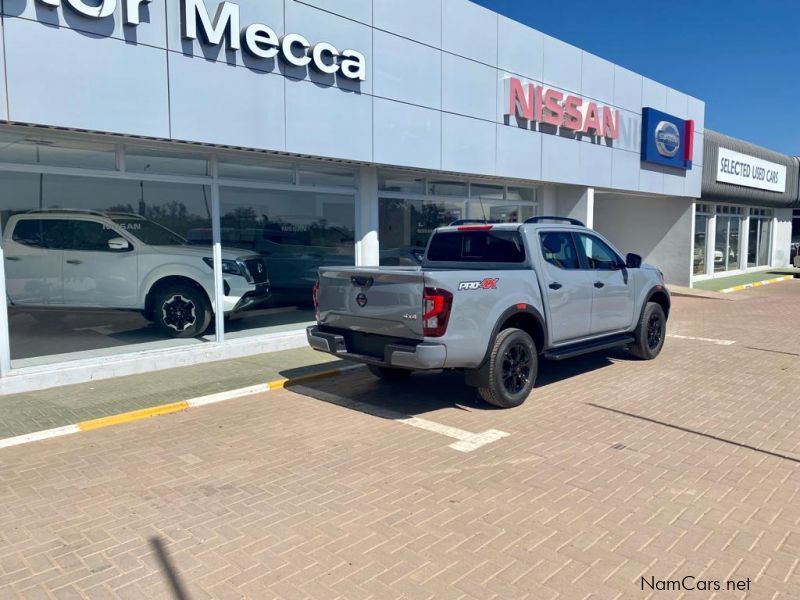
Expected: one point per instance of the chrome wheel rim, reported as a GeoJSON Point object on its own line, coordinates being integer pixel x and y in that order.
{"type": "Point", "coordinates": [179, 313]}
{"type": "Point", "coordinates": [516, 369]}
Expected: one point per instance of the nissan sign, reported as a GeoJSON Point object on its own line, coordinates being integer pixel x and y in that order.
{"type": "Point", "coordinates": [666, 139]}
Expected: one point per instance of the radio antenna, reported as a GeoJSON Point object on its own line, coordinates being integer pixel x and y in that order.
{"type": "Point", "coordinates": [483, 210]}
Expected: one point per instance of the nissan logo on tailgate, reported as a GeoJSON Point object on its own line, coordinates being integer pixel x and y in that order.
{"type": "Point", "coordinates": [361, 300]}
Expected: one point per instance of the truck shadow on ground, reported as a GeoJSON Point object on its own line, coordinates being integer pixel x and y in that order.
{"type": "Point", "coordinates": [424, 393]}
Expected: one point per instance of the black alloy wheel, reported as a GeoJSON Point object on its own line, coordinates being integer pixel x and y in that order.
{"type": "Point", "coordinates": [516, 368]}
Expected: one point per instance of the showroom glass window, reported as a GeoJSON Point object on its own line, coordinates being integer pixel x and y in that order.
{"type": "Point", "coordinates": [728, 238]}
{"type": "Point", "coordinates": [411, 207]}
{"type": "Point", "coordinates": [795, 249]}
{"type": "Point", "coordinates": [759, 237]}
{"type": "Point", "coordinates": [702, 218]}
{"type": "Point", "coordinates": [295, 229]}
{"type": "Point", "coordinates": [82, 250]}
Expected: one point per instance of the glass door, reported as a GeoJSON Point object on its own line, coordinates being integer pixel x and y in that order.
{"type": "Point", "coordinates": [727, 244]}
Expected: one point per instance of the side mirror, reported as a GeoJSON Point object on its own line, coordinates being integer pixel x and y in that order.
{"type": "Point", "coordinates": [118, 244]}
{"type": "Point", "coordinates": [633, 261]}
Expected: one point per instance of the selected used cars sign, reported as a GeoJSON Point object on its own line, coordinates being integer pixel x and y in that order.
{"type": "Point", "coordinates": [749, 171]}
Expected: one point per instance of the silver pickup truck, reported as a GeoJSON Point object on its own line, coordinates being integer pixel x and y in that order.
{"type": "Point", "coordinates": [489, 300]}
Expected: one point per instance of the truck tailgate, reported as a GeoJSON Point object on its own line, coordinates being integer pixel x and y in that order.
{"type": "Point", "coordinates": [382, 301]}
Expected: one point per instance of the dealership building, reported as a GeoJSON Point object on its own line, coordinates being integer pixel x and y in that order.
{"type": "Point", "coordinates": [187, 153]}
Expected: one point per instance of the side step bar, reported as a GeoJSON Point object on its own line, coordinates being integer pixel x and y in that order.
{"type": "Point", "coordinates": [614, 341]}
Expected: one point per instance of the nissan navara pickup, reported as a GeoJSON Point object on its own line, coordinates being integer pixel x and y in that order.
{"type": "Point", "coordinates": [490, 300]}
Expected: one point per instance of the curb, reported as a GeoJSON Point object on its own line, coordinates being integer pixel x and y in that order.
{"type": "Point", "coordinates": [167, 409]}
{"type": "Point", "coordinates": [755, 284]}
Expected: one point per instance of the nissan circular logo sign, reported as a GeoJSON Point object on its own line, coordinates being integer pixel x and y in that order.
{"type": "Point", "coordinates": [668, 139]}
{"type": "Point", "coordinates": [361, 300]}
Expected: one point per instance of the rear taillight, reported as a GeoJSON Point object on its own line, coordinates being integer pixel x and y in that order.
{"type": "Point", "coordinates": [436, 311]}
{"type": "Point", "coordinates": [315, 294]}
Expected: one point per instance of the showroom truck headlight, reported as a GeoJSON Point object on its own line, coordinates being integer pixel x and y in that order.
{"type": "Point", "coordinates": [230, 267]}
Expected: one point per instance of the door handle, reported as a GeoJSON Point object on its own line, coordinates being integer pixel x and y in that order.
{"type": "Point", "coordinates": [74, 262]}
{"type": "Point", "coordinates": [13, 258]}
{"type": "Point", "coordinates": [599, 284]}
{"type": "Point", "coordinates": [555, 286]}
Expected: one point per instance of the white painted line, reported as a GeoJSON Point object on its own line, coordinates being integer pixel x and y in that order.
{"type": "Point", "coordinates": [702, 339]}
{"type": "Point", "coordinates": [39, 436]}
{"type": "Point", "coordinates": [229, 395]}
{"type": "Point", "coordinates": [467, 441]}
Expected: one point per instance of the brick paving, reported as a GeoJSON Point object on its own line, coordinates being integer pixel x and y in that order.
{"type": "Point", "coordinates": [614, 470]}
{"type": "Point", "coordinates": [67, 405]}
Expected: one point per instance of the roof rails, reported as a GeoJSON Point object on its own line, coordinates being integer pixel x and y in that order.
{"type": "Point", "coordinates": [472, 222]}
{"type": "Point", "coordinates": [80, 211]}
{"type": "Point", "coordinates": [548, 218]}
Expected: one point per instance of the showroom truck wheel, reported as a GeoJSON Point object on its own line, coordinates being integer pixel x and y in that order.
{"type": "Point", "coordinates": [650, 332]}
{"type": "Point", "coordinates": [513, 365]}
{"type": "Point", "coordinates": [182, 311]}
{"type": "Point", "coordinates": [389, 374]}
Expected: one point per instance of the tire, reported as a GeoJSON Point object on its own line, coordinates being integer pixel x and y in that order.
{"type": "Point", "coordinates": [513, 366]}
{"type": "Point", "coordinates": [388, 373]}
{"type": "Point", "coordinates": [181, 311]}
{"type": "Point", "coordinates": [650, 332]}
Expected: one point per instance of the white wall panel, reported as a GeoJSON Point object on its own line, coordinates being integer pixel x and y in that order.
{"type": "Point", "coordinates": [562, 65]}
{"type": "Point", "coordinates": [328, 122]}
{"type": "Point", "coordinates": [627, 90]}
{"type": "Point", "coordinates": [595, 165]}
{"type": "Point", "coordinates": [152, 31]}
{"type": "Point", "coordinates": [225, 113]}
{"type": "Point", "coordinates": [469, 88]}
{"type": "Point", "coordinates": [419, 20]}
{"type": "Point", "coordinates": [654, 94]}
{"type": "Point", "coordinates": [519, 153]}
{"type": "Point", "coordinates": [625, 170]}
{"type": "Point", "coordinates": [597, 78]}
{"type": "Point", "coordinates": [520, 49]}
{"type": "Point", "coordinates": [403, 79]}
{"type": "Point", "coordinates": [358, 10]}
{"type": "Point", "coordinates": [468, 145]}
{"type": "Point", "coordinates": [407, 135]}
{"type": "Point", "coordinates": [469, 30]}
{"type": "Point", "coordinates": [89, 82]}
{"type": "Point", "coordinates": [560, 161]}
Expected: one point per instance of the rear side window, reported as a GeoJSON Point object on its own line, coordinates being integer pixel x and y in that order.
{"type": "Point", "coordinates": [500, 246]}
{"type": "Point", "coordinates": [43, 233]}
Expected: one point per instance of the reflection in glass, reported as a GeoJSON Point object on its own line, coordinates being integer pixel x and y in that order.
{"type": "Point", "coordinates": [93, 263]}
{"type": "Point", "coordinates": [758, 242]}
{"type": "Point", "coordinates": [727, 244]}
{"type": "Point", "coordinates": [296, 233]}
{"type": "Point", "coordinates": [700, 238]}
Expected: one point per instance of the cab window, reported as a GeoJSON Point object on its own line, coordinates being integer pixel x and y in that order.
{"type": "Point", "coordinates": [599, 256]}
{"type": "Point", "coordinates": [558, 248]}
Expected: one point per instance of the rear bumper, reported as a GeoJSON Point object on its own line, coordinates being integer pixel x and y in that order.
{"type": "Point", "coordinates": [422, 356]}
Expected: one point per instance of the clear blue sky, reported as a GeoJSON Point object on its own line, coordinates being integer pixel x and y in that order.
{"type": "Point", "coordinates": [721, 51]}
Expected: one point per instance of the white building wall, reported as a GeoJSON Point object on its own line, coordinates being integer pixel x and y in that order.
{"type": "Point", "coordinates": [659, 229]}
{"type": "Point", "coordinates": [782, 237]}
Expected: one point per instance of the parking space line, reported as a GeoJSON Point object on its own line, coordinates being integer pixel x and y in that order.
{"type": "Point", "coordinates": [467, 441]}
{"type": "Point", "coordinates": [703, 339]}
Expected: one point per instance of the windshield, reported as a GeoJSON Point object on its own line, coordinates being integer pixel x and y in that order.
{"type": "Point", "coordinates": [150, 233]}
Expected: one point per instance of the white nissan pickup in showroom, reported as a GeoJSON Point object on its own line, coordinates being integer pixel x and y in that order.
{"type": "Point", "coordinates": [96, 260]}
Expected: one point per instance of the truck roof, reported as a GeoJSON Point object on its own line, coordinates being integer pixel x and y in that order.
{"type": "Point", "coordinates": [539, 223]}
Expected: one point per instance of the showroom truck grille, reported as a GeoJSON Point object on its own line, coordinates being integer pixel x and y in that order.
{"type": "Point", "coordinates": [257, 269]}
